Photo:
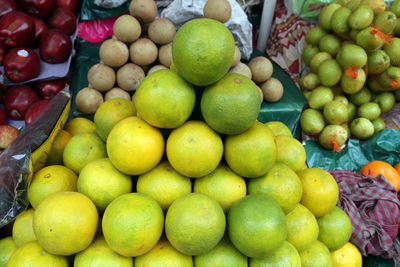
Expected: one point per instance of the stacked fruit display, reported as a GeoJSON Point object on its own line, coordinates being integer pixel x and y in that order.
{"type": "Point", "coordinates": [157, 167]}
{"type": "Point", "coordinates": [142, 44]}
{"type": "Point", "coordinates": [355, 75]}
{"type": "Point", "coordinates": [45, 25]}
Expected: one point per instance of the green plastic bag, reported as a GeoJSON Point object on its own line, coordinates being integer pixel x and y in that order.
{"type": "Point", "coordinates": [383, 146]}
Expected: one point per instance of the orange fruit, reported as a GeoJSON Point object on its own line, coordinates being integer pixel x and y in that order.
{"type": "Point", "coordinates": [80, 125]}
{"type": "Point", "coordinates": [7, 247]}
{"type": "Point", "coordinates": [22, 229]}
{"type": "Point", "coordinates": [33, 255]}
{"type": "Point", "coordinates": [347, 256]}
{"type": "Point", "coordinates": [317, 254]}
{"type": "Point", "coordinates": [57, 148]}
{"type": "Point", "coordinates": [65, 223]}
{"type": "Point", "coordinates": [376, 167]}
{"type": "Point", "coordinates": [285, 255]}
{"type": "Point", "coordinates": [194, 224]}
{"type": "Point", "coordinates": [203, 51]}
{"type": "Point", "coordinates": [134, 147]}
{"type": "Point", "coordinates": [164, 99]}
{"type": "Point", "coordinates": [256, 226]}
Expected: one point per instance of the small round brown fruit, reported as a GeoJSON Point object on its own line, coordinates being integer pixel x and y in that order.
{"type": "Point", "coordinates": [236, 57]}
{"type": "Point", "coordinates": [130, 76]}
{"type": "Point", "coordinates": [143, 52]}
{"type": "Point", "coordinates": [143, 10]}
{"type": "Point", "coordinates": [156, 68]}
{"type": "Point", "coordinates": [117, 93]}
{"type": "Point", "coordinates": [272, 89]}
{"type": "Point", "coordinates": [127, 29]}
{"type": "Point", "coordinates": [165, 55]}
{"type": "Point", "coordinates": [261, 69]}
{"type": "Point", "coordinates": [218, 9]}
{"type": "Point", "coordinates": [261, 93]}
{"type": "Point", "coordinates": [88, 100]}
{"type": "Point", "coordinates": [114, 53]}
{"type": "Point", "coordinates": [101, 77]}
{"type": "Point", "coordinates": [161, 31]}
{"type": "Point", "coordinates": [242, 69]}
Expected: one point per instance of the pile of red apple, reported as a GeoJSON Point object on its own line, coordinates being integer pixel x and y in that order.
{"type": "Point", "coordinates": [29, 24]}
{"type": "Point", "coordinates": [25, 102]}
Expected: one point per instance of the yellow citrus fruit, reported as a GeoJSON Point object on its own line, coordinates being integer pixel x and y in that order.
{"type": "Point", "coordinates": [164, 184]}
{"type": "Point", "coordinates": [132, 224]}
{"type": "Point", "coordinates": [320, 190]}
{"type": "Point", "coordinates": [99, 254]}
{"type": "Point", "coordinates": [100, 181]}
{"type": "Point", "coordinates": [231, 105]}
{"type": "Point", "coordinates": [281, 184]}
{"type": "Point", "coordinates": [82, 149]}
{"type": "Point", "coordinates": [163, 255]}
{"type": "Point", "coordinates": [194, 224]}
{"type": "Point", "coordinates": [80, 125]}
{"type": "Point", "coordinates": [279, 128]}
{"type": "Point", "coordinates": [194, 149]}
{"type": "Point", "coordinates": [33, 255]}
{"type": "Point", "coordinates": [135, 147]}
{"type": "Point", "coordinates": [256, 226]}
{"type": "Point", "coordinates": [165, 100]}
{"type": "Point", "coordinates": [334, 228]}
{"type": "Point", "coordinates": [251, 153]}
{"type": "Point", "coordinates": [55, 156]}
{"type": "Point", "coordinates": [302, 227]}
{"type": "Point", "coordinates": [317, 254]}
{"type": "Point", "coordinates": [110, 113]}
{"type": "Point", "coordinates": [290, 152]}
{"type": "Point", "coordinates": [285, 255]}
{"type": "Point", "coordinates": [347, 256]}
{"type": "Point", "coordinates": [222, 255]}
{"type": "Point", "coordinates": [203, 51]}
{"type": "Point", "coordinates": [223, 185]}
{"type": "Point", "coordinates": [7, 247]}
{"type": "Point", "coordinates": [50, 180]}
{"type": "Point", "coordinates": [65, 223]}
{"type": "Point", "coordinates": [22, 231]}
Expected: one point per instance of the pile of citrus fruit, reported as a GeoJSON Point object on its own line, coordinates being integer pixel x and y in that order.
{"type": "Point", "coordinates": [185, 176]}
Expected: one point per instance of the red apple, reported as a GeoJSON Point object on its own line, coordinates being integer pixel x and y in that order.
{"type": "Point", "coordinates": [8, 134]}
{"type": "Point", "coordinates": [3, 53]}
{"type": "Point", "coordinates": [18, 99]}
{"type": "Point", "coordinates": [68, 4]}
{"type": "Point", "coordinates": [38, 8]}
{"type": "Point", "coordinates": [21, 64]}
{"type": "Point", "coordinates": [3, 117]}
{"type": "Point", "coordinates": [55, 46]}
{"type": "Point", "coordinates": [34, 110]}
{"type": "Point", "coordinates": [48, 89]}
{"type": "Point", "coordinates": [17, 29]}
{"type": "Point", "coordinates": [40, 29]}
{"type": "Point", "coordinates": [64, 20]}
{"type": "Point", "coordinates": [7, 6]}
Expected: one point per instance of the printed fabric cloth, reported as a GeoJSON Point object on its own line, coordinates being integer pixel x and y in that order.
{"type": "Point", "coordinates": [374, 210]}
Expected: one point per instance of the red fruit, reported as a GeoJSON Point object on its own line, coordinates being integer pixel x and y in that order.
{"type": "Point", "coordinates": [18, 99]}
{"type": "Point", "coordinates": [7, 135]}
{"type": "Point", "coordinates": [17, 29]}
{"type": "Point", "coordinates": [34, 110]}
{"type": "Point", "coordinates": [64, 20]}
{"type": "Point", "coordinates": [68, 4]}
{"type": "Point", "coordinates": [40, 29]}
{"type": "Point", "coordinates": [48, 89]}
{"type": "Point", "coordinates": [7, 6]}
{"type": "Point", "coordinates": [3, 117]}
{"type": "Point", "coordinates": [3, 53]}
{"type": "Point", "coordinates": [55, 46]}
{"type": "Point", "coordinates": [21, 64]}
{"type": "Point", "coordinates": [38, 8]}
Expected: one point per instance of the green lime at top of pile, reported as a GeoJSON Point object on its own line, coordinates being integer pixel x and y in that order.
{"type": "Point", "coordinates": [231, 105]}
{"type": "Point", "coordinates": [203, 51]}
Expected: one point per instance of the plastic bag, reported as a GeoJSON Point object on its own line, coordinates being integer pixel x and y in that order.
{"type": "Point", "coordinates": [28, 153]}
